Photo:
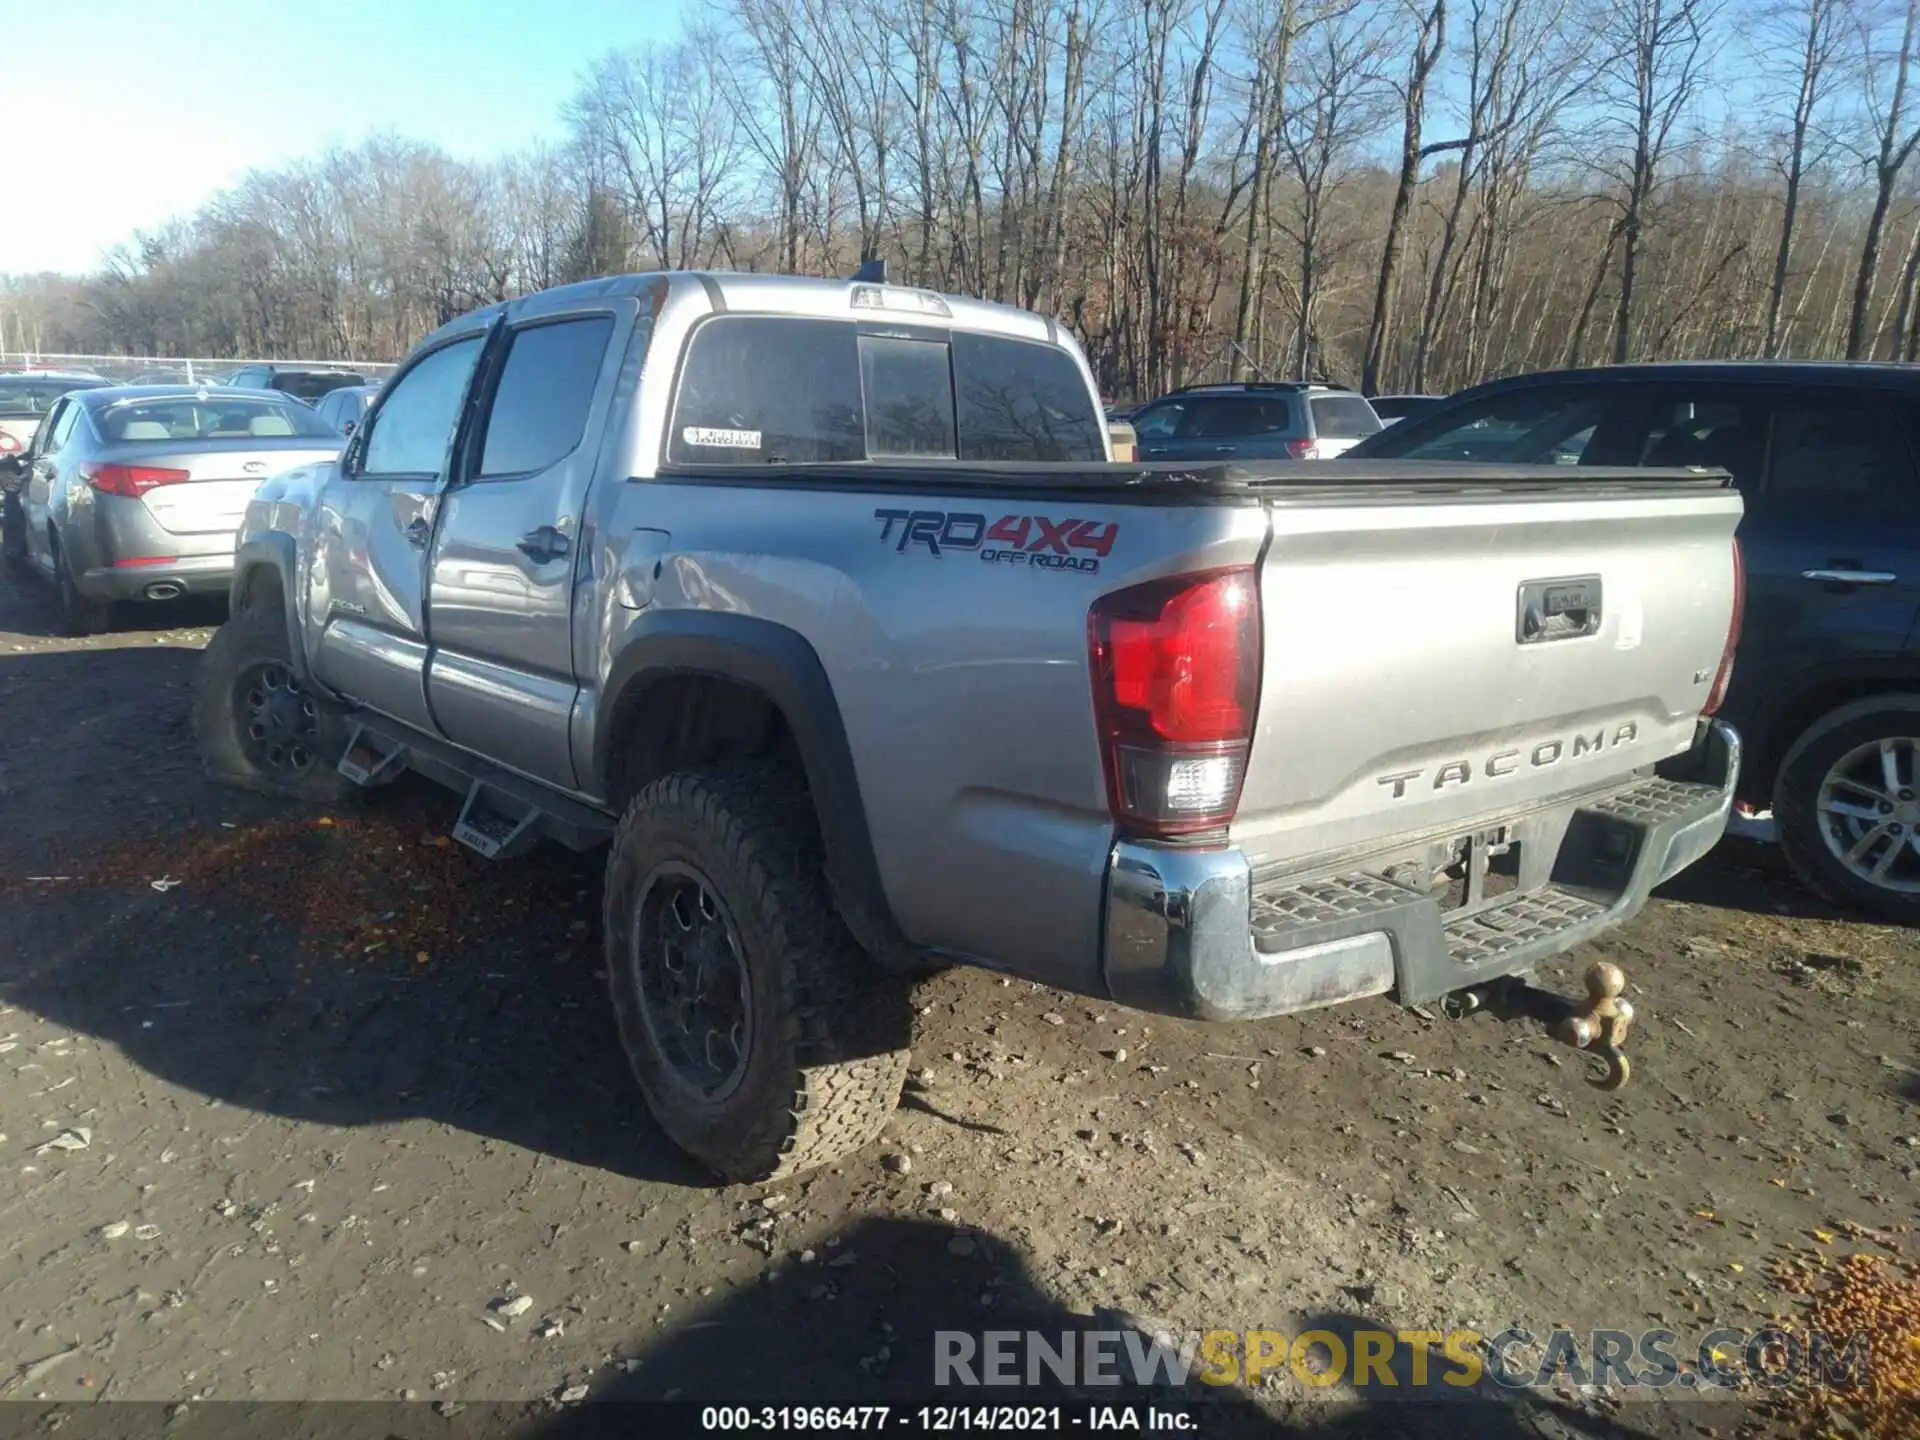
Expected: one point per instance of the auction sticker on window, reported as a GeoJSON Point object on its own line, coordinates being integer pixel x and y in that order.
{"type": "Point", "coordinates": [721, 439]}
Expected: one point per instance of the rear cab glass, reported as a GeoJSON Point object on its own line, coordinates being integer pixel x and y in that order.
{"type": "Point", "coordinates": [1343, 417]}
{"type": "Point", "coordinates": [758, 389]}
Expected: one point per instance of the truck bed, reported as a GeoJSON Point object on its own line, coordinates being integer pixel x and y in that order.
{"type": "Point", "coordinates": [1185, 483]}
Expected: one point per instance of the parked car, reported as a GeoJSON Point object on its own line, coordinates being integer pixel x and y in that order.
{"type": "Point", "coordinates": [831, 620]}
{"type": "Point", "coordinates": [303, 382]}
{"type": "Point", "coordinates": [1259, 420]}
{"type": "Point", "coordinates": [134, 492]}
{"type": "Point", "coordinates": [1827, 686]}
{"type": "Point", "coordinates": [1392, 409]}
{"type": "Point", "coordinates": [346, 407]}
{"type": "Point", "coordinates": [25, 399]}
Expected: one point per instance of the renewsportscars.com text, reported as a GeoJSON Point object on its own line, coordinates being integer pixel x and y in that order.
{"type": "Point", "coordinates": [1409, 1360]}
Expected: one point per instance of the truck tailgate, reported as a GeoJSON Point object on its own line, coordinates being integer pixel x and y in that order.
{"type": "Point", "coordinates": [1439, 661]}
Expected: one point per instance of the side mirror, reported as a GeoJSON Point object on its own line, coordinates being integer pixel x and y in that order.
{"type": "Point", "coordinates": [346, 427]}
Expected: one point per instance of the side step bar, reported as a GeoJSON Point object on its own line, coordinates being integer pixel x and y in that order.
{"type": "Point", "coordinates": [503, 813]}
{"type": "Point", "coordinates": [372, 758]}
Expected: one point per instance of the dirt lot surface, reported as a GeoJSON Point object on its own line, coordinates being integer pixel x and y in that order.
{"type": "Point", "coordinates": [293, 1105]}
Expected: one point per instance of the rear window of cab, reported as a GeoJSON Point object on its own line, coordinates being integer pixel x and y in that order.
{"type": "Point", "coordinates": [784, 390]}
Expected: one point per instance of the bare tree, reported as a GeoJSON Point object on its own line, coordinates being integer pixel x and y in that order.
{"type": "Point", "coordinates": [1335, 100]}
{"type": "Point", "coordinates": [1653, 82]}
{"type": "Point", "coordinates": [1811, 32]}
{"type": "Point", "coordinates": [1429, 19]}
{"type": "Point", "coordinates": [1894, 135]}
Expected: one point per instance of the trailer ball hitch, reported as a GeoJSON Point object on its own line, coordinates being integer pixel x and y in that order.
{"type": "Point", "coordinates": [1597, 1027]}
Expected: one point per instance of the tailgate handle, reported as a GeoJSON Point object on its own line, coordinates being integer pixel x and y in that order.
{"type": "Point", "coordinates": [1562, 609]}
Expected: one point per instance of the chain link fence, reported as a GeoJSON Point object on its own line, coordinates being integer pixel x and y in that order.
{"type": "Point", "coordinates": [172, 369]}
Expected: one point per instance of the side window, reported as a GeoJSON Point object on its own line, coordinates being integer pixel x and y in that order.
{"type": "Point", "coordinates": [1239, 416]}
{"type": "Point", "coordinates": [769, 390]}
{"type": "Point", "coordinates": [1543, 425]}
{"type": "Point", "coordinates": [1843, 450]}
{"type": "Point", "coordinates": [1343, 417]}
{"type": "Point", "coordinates": [415, 425]}
{"type": "Point", "coordinates": [908, 386]}
{"type": "Point", "coordinates": [546, 388]}
{"type": "Point", "coordinates": [1020, 400]}
{"type": "Point", "coordinates": [1686, 426]}
{"type": "Point", "coordinates": [1160, 422]}
{"type": "Point", "coordinates": [61, 426]}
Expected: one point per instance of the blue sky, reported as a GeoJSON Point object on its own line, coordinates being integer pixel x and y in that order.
{"type": "Point", "coordinates": [172, 102]}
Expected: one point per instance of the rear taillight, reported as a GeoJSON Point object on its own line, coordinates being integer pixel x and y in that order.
{"type": "Point", "coordinates": [1725, 677]}
{"type": "Point", "coordinates": [130, 481]}
{"type": "Point", "coordinates": [8, 445]}
{"type": "Point", "coordinates": [1176, 678]}
{"type": "Point", "coordinates": [1304, 449]}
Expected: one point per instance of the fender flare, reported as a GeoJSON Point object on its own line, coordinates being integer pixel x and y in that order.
{"type": "Point", "coordinates": [782, 665]}
{"type": "Point", "coordinates": [272, 550]}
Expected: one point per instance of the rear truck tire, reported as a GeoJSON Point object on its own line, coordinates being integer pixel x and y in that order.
{"type": "Point", "coordinates": [79, 615]}
{"type": "Point", "coordinates": [1847, 806]}
{"type": "Point", "coordinates": [764, 1039]}
{"type": "Point", "coordinates": [258, 727]}
{"type": "Point", "coordinates": [13, 531]}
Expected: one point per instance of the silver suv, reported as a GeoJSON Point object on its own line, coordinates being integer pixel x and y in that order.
{"type": "Point", "coordinates": [1261, 420]}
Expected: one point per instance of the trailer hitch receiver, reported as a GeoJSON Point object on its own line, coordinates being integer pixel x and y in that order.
{"type": "Point", "coordinates": [1597, 1027]}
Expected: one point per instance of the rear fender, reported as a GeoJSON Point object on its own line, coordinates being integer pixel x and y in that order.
{"type": "Point", "coordinates": [783, 666]}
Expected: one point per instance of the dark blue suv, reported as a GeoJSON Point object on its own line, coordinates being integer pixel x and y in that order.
{"type": "Point", "coordinates": [1826, 686]}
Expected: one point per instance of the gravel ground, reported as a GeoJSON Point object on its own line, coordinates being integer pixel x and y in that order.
{"type": "Point", "coordinates": [299, 1105]}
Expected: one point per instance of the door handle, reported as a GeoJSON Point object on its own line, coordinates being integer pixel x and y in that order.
{"type": "Point", "coordinates": [1850, 577]}
{"type": "Point", "coordinates": [419, 531]}
{"type": "Point", "coordinates": [544, 545]}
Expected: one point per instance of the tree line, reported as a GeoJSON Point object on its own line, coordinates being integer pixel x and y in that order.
{"type": "Point", "coordinates": [1406, 195]}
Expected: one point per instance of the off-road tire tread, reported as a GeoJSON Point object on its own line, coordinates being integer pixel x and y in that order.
{"type": "Point", "coordinates": [251, 634]}
{"type": "Point", "coordinates": [1797, 824]}
{"type": "Point", "coordinates": [844, 1023]}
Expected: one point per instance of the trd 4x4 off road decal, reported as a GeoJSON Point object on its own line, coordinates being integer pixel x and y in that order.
{"type": "Point", "coordinates": [1033, 540]}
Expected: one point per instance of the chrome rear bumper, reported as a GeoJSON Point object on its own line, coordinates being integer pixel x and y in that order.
{"type": "Point", "coordinates": [1190, 932]}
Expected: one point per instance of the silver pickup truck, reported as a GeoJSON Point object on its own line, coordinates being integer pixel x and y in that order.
{"type": "Point", "coordinates": [822, 605]}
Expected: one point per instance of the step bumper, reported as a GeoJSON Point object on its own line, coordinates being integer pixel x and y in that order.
{"type": "Point", "coordinates": [1191, 933]}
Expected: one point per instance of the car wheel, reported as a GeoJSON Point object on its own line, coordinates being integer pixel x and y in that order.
{"type": "Point", "coordinates": [764, 1040]}
{"type": "Point", "coordinates": [78, 613]}
{"type": "Point", "coordinates": [259, 728]}
{"type": "Point", "coordinates": [1847, 806]}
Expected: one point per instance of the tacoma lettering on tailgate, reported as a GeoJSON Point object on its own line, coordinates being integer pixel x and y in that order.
{"type": "Point", "coordinates": [1033, 540]}
{"type": "Point", "coordinates": [1506, 762]}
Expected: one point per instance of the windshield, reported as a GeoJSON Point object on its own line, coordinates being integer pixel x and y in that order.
{"type": "Point", "coordinates": [216, 417]}
{"type": "Point", "coordinates": [35, 394]}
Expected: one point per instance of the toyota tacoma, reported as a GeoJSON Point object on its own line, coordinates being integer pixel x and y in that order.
{"type": "Point", "coordinates": [822, 605]}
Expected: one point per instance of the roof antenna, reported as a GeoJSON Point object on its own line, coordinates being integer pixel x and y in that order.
{"type": "Point", "coordinates": [872, 271]}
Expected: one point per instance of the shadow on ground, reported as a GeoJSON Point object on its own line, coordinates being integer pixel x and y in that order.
{"type": "Point", "coordinates": [33, 610]}
{"type": "Point", "coordinates": [283, 971]}
{"type": "Point", "coordinates": [860, 1324]}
